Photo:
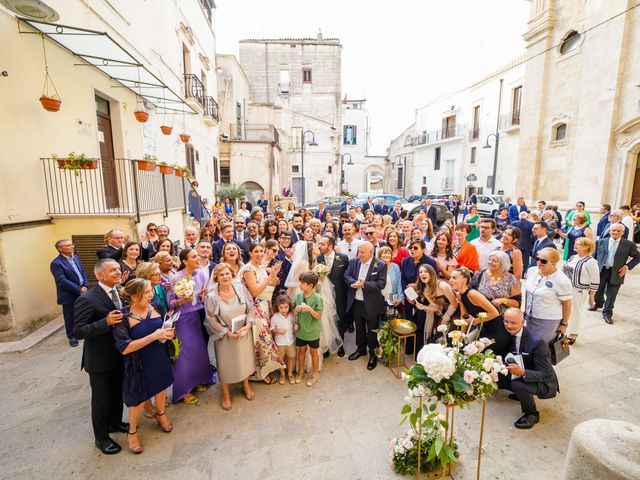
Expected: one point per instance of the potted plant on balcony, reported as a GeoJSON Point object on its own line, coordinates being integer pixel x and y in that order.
{"type": "Point", "coordinates": [182, 171]}
{"type": "Point", "coordinates": [185, 137]}
{"type": "Point", "coordinates": [148, 163]}
{"type": "Point", "coordinates": [75, 161]}
{"type": "Point", "coordinates": [166, 169]}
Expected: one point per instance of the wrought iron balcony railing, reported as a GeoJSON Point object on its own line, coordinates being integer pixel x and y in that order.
{"type": "Point", "coordinates": [434, 136]}
{"type": "Point", "coordinates": [193, 88]}
{"type": "Point", "coordinates": [254, 132]}
{"type": "Point", "coordinates": [509, 120]}
{"type": "Point", "coordinates": [211, 108]}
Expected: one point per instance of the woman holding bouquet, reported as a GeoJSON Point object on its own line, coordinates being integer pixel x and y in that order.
{"type": "Point", "coordinates": [186, 295]}
{"type": "Point", "coordinates": [260, 283]}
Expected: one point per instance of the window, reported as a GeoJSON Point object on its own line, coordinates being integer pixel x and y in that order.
{"type": "Point", "coordinates": [449, 126]}
{"type": "Point", "coordinates": [191, 157]}
{"type": "Point", "coordinates": [319, 183]}
{"type": "Point", "coordinates": [349, 135]}
{"type": "Point", "coordinates": [186, 60]}
{"type": "Point", "coordinates": [570, 42]}
{"type": "Point", "coordinates": [448, 180]}
{"type": "Point", "coordinates": [475, 132]}
{"type": "Point", "coordinates": [489, 185]}
{"type": "Point", "coordinates": [295, 169]}
{"type": "Point", "coordinates": [436, 161]}
{"type": "Point", "coordinates": [216, 176]}
{"type": "Point", "coordinates": [330, 169]}
{"type": "Point", "coordinates": [306, 75]}
{"type": "Point", "coordinates": [239, 121]}
{"type": "Point", "coordinates": [560, 132]}
{"type": "Point", "coordinates": [472, 160]}
{"type": "Point", "coordinates": [400, 178]}
{"type": "Point", "coordinates": [515, 105]}
{"type": "Point", "coordinates": [296, 133]}
{"type": "Point", "coordinates": [284, 84]}
{"type": "Point", "coordinates": [424, 180]}
{"type": "Point", "coordinates": [225, 174]}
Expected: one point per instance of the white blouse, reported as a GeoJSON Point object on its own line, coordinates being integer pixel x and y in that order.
{"type": "Point", "coordinates": [544, 295]}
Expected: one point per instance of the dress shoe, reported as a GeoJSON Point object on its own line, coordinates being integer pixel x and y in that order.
{"type": "Point", "coordinates": [593, 309]}
{"type": "Point", "coordinates": [73, 342]}
{"type": "Point", "coordinates": [607, 318]}
{"type": "Point", "coordinates": [326, 354]}
{"type": "Point", "coordinates": [120, 427]}
{"type": "Point", "coordinates": [512, 396]}
{"type": "Point", "coordinates": [356, 355]}
{"type": "Point", "coordinates": [350, 329]}
{"type": "Point", "coordinates": [527, 421]}
{"type": "Point", "coordinates": [108, 447]}
{"type": "Point", "coordinates": [341, 352]}
{"type": "Point", "coordinates": [373, 361]}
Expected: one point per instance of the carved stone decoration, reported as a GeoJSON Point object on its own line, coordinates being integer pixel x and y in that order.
{"type": "Point", "coordinates": [187, 32]}
{"type": "Point", "coordinates": [205, 61]}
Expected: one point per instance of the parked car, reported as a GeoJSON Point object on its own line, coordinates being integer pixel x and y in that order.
{"type": "Point", "coordinates": [442, 212]}
{"type": "Point", "coordinates": [390, 200]}
{"type": "Point", "coordinates": [488, 205]}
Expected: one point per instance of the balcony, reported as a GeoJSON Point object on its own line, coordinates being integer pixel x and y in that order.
{"type": "Point", "coordinates": [211, 114]}
{"type": "Point", "coordinates": [194, 92]}
{"type": "Point", "coordinates": [115, 187]}
{"type": "Point", "coordinates": [447, 183]}
{"type": "Point", "coordinates": [251, 132]}
{"type": "Point", "coordinates": [510, 121]}
{"type": "Point", "coordinates": [284, 89]}
{"type": "Point", "coordinates": [434, 136]}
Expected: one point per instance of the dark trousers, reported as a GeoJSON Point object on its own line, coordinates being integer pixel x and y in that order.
{"type": "Point", "coordinates": [342, 317]}
{"type": "Point", "coordinates": [605, 289]}
{"type": "Point", "coordinates": [419, 318]}
{"type": "Point", "coordinates": [524, 391]}
{"type": "Point", "coordinates": [526, 258]}
{"type": "Point", "coordinates": [106, 401]}
{"type": "Point", "coordinates": [365, 336]}
{"type": "Point", "coordinates": [67, 313]}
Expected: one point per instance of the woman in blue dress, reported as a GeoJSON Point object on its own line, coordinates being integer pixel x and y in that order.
{"type": "Point", "coordinates": [577, 230]}
{"type": "Point", "coordinates": [147, 368]}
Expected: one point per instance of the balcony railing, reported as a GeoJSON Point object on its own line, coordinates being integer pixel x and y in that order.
{"type": "Point", "coordinates": [114, 187]}
{"type": "Point", "coordinates": [509, 120]}
{"type": "Point", "coordinates": [254, 133]}
{"type": "Point", "coordinates": [434, 136]}
{"type": "Point", "coordinates": [193, 88]}
{"type": "Point", "coordinates": [211, 108]}
{"type": "Point", "coordinates": [447, 183]}
{"type": "Point", "coordinates": [284, 89]}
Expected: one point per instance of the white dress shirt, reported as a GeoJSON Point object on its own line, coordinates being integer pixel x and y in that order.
{"type": "Point", "coordinates": [485, 249]}
{"type": "Point", "coordinates": [108, 291]}
{"type": "Point", "coordinates": [349, 249]}
{"type": "Point", "coordinates": [362, 275]}
{"type": "Point", "coordinates": [611, 252]}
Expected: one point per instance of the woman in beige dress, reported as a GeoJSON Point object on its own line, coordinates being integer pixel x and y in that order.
{"type": "Point", "coordinates": [228, 300]}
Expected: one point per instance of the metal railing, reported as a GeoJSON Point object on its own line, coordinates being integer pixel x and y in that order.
{"type": "Point", "coordinates": [511, 119]}
{"type": "Point", "coordinates": [113, 186]}
{"type": "Point", "coordinates": [193, 88]}
{"type": "Point", "coordinates": [211, 108]}
{"type": "Point", "coordinates": [434, 136]}
{"type": "Point", "coordinates": [254, 132]}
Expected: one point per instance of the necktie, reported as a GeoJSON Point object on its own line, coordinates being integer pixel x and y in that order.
{"type": "Point", "coordinates": [116, 299]}
{"type": "Point", "coordinates": [76, 269]}
{"type": "Point", "coordinates": [514, 344]}
{"type": "Point", "coordinates": [535, 244]}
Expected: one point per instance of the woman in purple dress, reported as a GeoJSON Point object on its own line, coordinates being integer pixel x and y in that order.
{"type": "Point", "coordinates": [192, 369]}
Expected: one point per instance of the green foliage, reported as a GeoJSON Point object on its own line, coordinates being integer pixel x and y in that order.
{"type": "Point", "coordinates": [387, 350]}
{"type": "Point", "coordinates": [233, 192]}
{"type": "Point", "coordinates": [150, 158]}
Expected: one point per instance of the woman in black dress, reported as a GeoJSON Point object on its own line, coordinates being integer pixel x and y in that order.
{"type": "Point", "coordinates": [472, 302]}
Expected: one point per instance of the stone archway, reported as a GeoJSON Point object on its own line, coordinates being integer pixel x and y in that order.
{"type": "Point", "coordinates": [373, 179]}
{"type": "Point", "coordinates": [254, 190]}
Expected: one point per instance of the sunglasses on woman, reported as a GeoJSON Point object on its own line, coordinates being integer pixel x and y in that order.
{"type": "Point", "coordinates": [543, 261]}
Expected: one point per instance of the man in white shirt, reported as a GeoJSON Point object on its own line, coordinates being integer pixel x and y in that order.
{"type": "Point", "coordinates": [486, 243]}
{"type": "Point", "coordinates": [627, 221]}
{"type": "Point", "coordinates": [348, 245]}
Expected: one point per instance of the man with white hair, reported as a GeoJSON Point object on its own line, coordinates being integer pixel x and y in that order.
{"type": "Point", "coordinates": [190, 238]}
{"type": "Point", "coordinates": [113, 248]}
{"type": "Point", "coordinates": [615, 217]}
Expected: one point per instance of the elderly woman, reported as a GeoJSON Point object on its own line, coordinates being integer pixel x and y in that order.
{"type": "Point", "coordinates": [192, 370]}
{"type": "Point", "coordinates": [473, 303]}
{"type": "Point", "coordinates": [392, 292]}
{"type": "Point", "coordinates": [147, 373]}
{"type": "Point", "coordinates": [151, 271]}
{"type": "Point", "coordinates": [577, 230]}
{"type": "Point", "coordinates": [165, 263]}
{"type": "Point", "coordinates": [548, 296]}
{"type": "Point", "coordinates": [497, 284]}
{"type": "Point", "coordinates": [582, 269]}
{"type": "Point", "coordinates": [226, 304]}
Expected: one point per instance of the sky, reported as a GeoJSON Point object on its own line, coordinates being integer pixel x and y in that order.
{"type": "Point", "coordinates": [399, 55]}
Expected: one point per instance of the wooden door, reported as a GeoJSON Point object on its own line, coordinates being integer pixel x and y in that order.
{"type": "Point", "coordinates": [635, 195]}
{"type": "Point", "coordinates": [109, 174]}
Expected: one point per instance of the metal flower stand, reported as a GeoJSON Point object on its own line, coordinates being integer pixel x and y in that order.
{"type": "Point", "coordinates": [399, 365]}
{"type": "Point", "coordinates": [448, 438]}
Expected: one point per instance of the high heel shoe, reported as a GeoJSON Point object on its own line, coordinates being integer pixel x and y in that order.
{"type": "Point", "coordinates": [164, 428]}
{"type": "Point", "coordinates": [136, 449]}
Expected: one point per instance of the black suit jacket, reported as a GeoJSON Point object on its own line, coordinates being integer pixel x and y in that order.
{"type": "Point", "coordinates": [366, 206]}
{"type": "Point", "coordinates": [336, 275]}
{"type": "Point", "coordinates": [375, 281]}
{"type": "Point", "coordinates": [109, 252]}
{"type": "Point", "coordinates": [217, 248]}
{"type": "Point", "coordinates": [626, 248]}
{"type": "Point", "coordinates": [381, 209]}
{"type": "Point", "coordinates": [99, 353]}
{"type": "Point", "coordinates": [536, 358]}
{"type": "Point", "coordinates": [527, 239]}
{"type": "Point", "coordinates": [432, 214]}
{"type": "Point", "coordinates": [546, 242]}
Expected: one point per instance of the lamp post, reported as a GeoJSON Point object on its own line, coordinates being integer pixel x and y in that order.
{"type": "Point", "coordinates": [495, 159]}
{"type": "Point", "coordinates": [350, 162]}
{"type": "Point", "coordinates": [313, 144]}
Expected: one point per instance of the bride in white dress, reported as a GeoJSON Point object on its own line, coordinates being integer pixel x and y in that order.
{"type": "Point", "coordinates": [304, 259]}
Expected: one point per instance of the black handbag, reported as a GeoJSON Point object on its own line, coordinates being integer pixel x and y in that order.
{"type": "Point", "coordinates": [559, 347]}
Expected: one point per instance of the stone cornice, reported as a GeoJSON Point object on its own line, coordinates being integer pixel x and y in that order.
{"type": "Point", "coordinates": [540, 25]}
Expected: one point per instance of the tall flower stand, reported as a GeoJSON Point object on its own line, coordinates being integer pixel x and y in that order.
{"type": "Point", "coordinates": [399, 365]}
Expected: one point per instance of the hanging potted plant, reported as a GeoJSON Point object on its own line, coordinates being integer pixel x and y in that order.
{"type": "Point", "coordinates": [166, 169]}
{"type": "Point", "coordinates": [166, 129]}
{"type": "Point", "coordinates": [50, 101]}
{"type": "Point", "coordinates": [185, 137]}
{"type": "Point", "coordinates": [140, 112]}
{"type": "Point", "coordinates": [148, 163]}
{"type": "Point", "coordinates": [75, 161]}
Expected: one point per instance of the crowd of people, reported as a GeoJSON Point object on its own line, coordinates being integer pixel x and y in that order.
{"type": "Point", "coordinates": [270, 296]}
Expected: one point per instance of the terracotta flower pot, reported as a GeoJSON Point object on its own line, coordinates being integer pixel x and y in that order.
{"type": "Point", "coordinates": [62, 162]}
{"type": "Point", "coordinates": [179, 173]}
{"type": "Point", "coordinates": [141, 116]}
{"type": "Point", "coordinates": [166, 129]}
{"type": "Point", "coordinates": [50, 104]}
{"type": "Point", "coordinates": [185, 137]}
{"type": "Point", "coordinates": [146, 165]}
{"type": "Point", "coordinates": [166, 170]}
{"type": "Point", "coordinates": [90, 165]}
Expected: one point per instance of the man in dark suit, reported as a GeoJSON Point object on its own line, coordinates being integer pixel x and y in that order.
{"type": "Point", "coordinates": [507, 204]}
{"type": "Point", "coordinates": [95, 313]}
{"type": "Point", "coordinates": [542, 240]}
{"type": "Point", "coordinates": [297, 224]}
{"type": "Point", "coordinates": [615, 217]}
{"type": "Point", "coordinates": [604, 221]}
{"type": "Point", "coordinates": [321, 213]}
{"type": "Point", "coordinates": [368, 205]}
{"type": "Point", "coordinates": [453, 206]}
{"type": "Point", "coordinates": [366, 276]}
{"type": "Point", "coordinates": [113, 248]}
{"type": "Point", "coordinates": [251, 237]}
{"type": "Point", "coordinates": [612, 254]}
{"type": "Point", "coordinates": [163, 233]}
{"type": "Point", "coordinates": [347, 205]}
{"type": "Point", "coordinates": [71, 282]}
{"type": "Point", "coordinates": [526, 240]}
{"type": "Point", "coordinates": [517, 209]}
{"type": "Point", "coordinates": [431, 211]}
{"type": "Point", "coordinates": [338, 263]}
{"type": "Point", "coordinates": [263, 203]}
{"type": "Point", "coordinates": [381, 208]}
{"type": "Point", "coordinates": [239, 228]}
{"type": "Point", "coordinates": [535, 376]}
{"type": "Point", "coordinates": [227, 236]}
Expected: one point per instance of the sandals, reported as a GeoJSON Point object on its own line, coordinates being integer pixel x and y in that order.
{"type": "Point", "coordinates": [312, 380]}
{"type": "Point", "coordinates": [201, 388]}
{"type": "Point", "coordinates": [269, 380]}
{"type": "Point", "coordinates": [299, 378]}
{"type": "Point", "coordinates": [136, 449]}
{"type": "Point", "coordinates": [190, 399]}
{"type": "Point", "coordinates": [292, 379]}
{"type": "Point", "coordinates": [281, 380]}
{"type": "Point", "coordinates": [164, 428]}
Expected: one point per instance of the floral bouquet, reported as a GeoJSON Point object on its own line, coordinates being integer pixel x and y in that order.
{"type": "Point", "coordinates": [387, 349]}
{"type": "Point", "coordinates": [184, 288]}
{"type": "Point", "coordinates": [322, 269]}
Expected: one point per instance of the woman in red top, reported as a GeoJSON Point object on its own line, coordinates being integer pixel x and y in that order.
{"type": "Point", "coordinates": [398, 251]}
{"type": "Point", "coordinates": [465, 253]}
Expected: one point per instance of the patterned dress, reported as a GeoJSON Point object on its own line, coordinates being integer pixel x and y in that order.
{"type": "Point", "coordinates": [501, 289]}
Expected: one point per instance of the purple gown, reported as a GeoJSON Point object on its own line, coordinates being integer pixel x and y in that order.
{"type": "Point", "coordinates": [192, 367]}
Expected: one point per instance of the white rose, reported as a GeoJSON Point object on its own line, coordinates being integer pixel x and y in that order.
{"type": "Point", "coordinates": [486, 378]}
{"type": "Point", "coordinates": [487, 365]}
{"type": "Point", "coordinates": [479, 346]}
{"type": "Point", "coordinates": [469, 376]}
{"type": "Point", "coordinates": [470, 349]}
{"type": "Point", "coordinates": [460, 322]}
{"type": "Point", "coordinates": [486, 341]}
{"type": "Point", "coordinates": [442, 328]}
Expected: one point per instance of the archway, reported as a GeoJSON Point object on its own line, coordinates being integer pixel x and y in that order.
{"type": "Point", "coordinates": [254, 190]}
{"type": "Point", "coordinates": [373, 179]}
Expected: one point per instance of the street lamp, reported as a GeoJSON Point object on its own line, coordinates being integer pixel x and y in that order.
{"type": "Point", "coordinates": [495, 159]}
{"type": "Point", "coordinates": [350, 162]}
{"type": "Point", "coordinates": [312, 143]}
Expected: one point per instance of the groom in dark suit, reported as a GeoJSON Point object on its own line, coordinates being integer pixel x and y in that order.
{"type": "Point", "coordinates": [71, 282]}
{"type": "Point", "coordinates": [96, 312]}
{"type": "Point", "coordinates": [366, 276]}
{"type": "Point", "coordinates": [338, 262]}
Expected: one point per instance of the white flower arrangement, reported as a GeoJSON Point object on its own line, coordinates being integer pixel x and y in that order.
{"type": "Point", "coordinates": [322, 269]}
{"type": "Point", "coordinates": [184, 288]}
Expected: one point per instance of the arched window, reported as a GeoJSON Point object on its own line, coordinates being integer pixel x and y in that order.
{"type": "Point", "coordinates": [570, 42]}
{"type": "Point", "coordinates": [560, 132]}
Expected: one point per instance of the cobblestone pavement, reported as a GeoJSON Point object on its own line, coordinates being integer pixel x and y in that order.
{"type": "Point", "coordinates": [338, 429]}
